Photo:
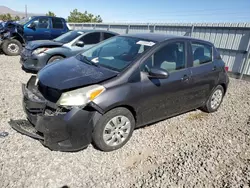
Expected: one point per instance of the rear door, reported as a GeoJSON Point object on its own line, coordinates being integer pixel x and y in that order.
{"type": "Point", "coordinates": [205, 73]}
{"type": "Point", "coordinates": [40, 31]}
{"type": "Point", "coordinates": [58, 27]}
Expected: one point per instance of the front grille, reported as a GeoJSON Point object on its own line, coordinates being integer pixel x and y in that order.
{"type": "Point", "coordinates": [49, 93]}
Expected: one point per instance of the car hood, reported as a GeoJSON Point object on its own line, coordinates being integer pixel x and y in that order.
{"type": "Point", "coordinates": [72, 73]}
{"type": "Point", "coordinates": [32, 45]}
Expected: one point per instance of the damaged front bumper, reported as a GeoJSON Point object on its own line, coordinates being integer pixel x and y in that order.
{"type": "Point", "coordinates": [56, 128]}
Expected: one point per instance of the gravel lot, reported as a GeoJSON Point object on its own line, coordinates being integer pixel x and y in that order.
{"type": "Point", "coordinates": [191, 150]}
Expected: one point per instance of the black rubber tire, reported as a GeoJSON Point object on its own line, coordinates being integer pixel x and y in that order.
{"type": "Point", "coordinates": [97, 136]}
{"type": "Point", "coordinates": [207, 107]}
{"type": "Point", "coordinates": [6, 43]}
{"type": "Point", "coordinates": [55, 58]}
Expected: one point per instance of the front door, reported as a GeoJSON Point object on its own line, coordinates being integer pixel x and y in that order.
{"type": "Point", "coordinates": [163, 98]}
{"type": "Point", "coordinates": [38, 29]}
{"type": "Point", "coordinates": [89, 40]}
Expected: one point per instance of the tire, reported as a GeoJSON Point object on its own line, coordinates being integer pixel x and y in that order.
{"type": "Point", "coordinates": [12, 47]}
{"type": "Point", "coordinates": [55, 58]}
{"type": "Point", "coordinates": [104, 126]}
{"type": "Point", "coordinates": [210, 106]}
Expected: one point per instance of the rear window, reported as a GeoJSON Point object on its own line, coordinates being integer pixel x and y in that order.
{"type": "Point", "coordinates": [57, 23]}
{"type": "Point", "coordinates": [202, 53]}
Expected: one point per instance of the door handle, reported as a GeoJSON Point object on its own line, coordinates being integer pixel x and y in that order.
{"type": "Point", "coordinates": [214, 68]}
{"type": "Point", "coordinates": [185, 78]}
{"type": "Point", "coordinates": [47, 31]}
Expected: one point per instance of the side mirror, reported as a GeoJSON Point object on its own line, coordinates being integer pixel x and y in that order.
{"type": "Point", "coordinates": [32, 26]}
{"type": "Point", "coordinates": [158, 73]}
{"type": "Point", "coordinates": [80, 44]}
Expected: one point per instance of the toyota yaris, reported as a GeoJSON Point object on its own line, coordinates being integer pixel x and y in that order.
{"type": "Point", "coordinates": [101, 95]}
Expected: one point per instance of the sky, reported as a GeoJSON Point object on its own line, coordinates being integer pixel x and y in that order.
{"type": "Point", "coordinates": [144, 11]}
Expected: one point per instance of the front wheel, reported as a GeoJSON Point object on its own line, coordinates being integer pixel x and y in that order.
{"type": "Point", "coordinates": [114, 129]}
{"type": "Point", "coordinates": [215, 100]}
{"type": "Point", "coordinates": [12, 47]}
{"type": "Point", "coordinates": [55, 58]}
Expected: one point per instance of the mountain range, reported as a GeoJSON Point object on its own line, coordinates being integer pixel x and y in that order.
{"type": "Point", "coordinates": [6, 10]}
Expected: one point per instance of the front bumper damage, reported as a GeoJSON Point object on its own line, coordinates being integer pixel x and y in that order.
{"type": "Point", "coordinates": [58, 129]}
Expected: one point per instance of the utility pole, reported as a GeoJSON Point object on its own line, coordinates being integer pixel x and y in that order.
{"type": "Point", "coordinates": [26, 14]}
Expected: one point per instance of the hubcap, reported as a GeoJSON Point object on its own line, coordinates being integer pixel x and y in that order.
{"type": "Point", "coordinates": [116, 130]}
{"type": "Point", "coordinates": [13, 48]}
{"type": "Point", "coordinates": [216, 99]}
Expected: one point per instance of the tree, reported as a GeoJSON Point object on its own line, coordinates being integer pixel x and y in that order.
{"type": "Point", "coordinates": [51, 14]}
{"type": "Point", "coordinates": [17, 18]}
{"type": "Point", "coordinates": [8, 16]}
{"type": "Point", "coordinates": [79, 17]}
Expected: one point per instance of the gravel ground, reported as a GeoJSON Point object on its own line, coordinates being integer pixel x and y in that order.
{"type": "Point", "coordinates": [191, 150]}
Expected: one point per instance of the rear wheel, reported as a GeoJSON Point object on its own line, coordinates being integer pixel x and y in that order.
{"type": "Point", "coordinates": [12, 47]}
{"type": "Point", "coordinates": [114, 129]}
{"type": "Point", "coordinates": [215, 100]}
{"type": "Point", "coordinates": [55, 58]}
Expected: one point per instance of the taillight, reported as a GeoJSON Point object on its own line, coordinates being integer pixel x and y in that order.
{"type": "Point", "coordinates": [226, 68]}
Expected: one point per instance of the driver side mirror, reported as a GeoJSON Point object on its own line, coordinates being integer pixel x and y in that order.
{"type": "Point", "coordinates": [158, 73]}
{"type": "Point", "coordinates": [80, 44]}
{"type": "Point", "coordinates": [32, 25]}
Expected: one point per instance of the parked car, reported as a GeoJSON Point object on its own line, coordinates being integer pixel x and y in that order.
{"type": "Point", "coordinates": [39, 53]}
{"type": "Point", "coordinates": [43, 27]}
{"type": "Point", "coordinates": [15, 35]}
{"type": "Point", "coordinates": [125, 82]}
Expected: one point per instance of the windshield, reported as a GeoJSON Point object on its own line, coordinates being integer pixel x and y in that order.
{"type": "Point", "coordinates": [68, 37]}
{"type": "Point", "coordinates": [24, 20]}
{"type": "Point", "coordinates": [116, 53]}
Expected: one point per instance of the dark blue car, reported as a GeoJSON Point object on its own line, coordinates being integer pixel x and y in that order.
{"type": "Point", "coordinates": [14, 35]}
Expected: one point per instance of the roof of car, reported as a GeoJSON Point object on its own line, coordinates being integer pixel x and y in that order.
{"type": "Point", "coordinates": [159, 37]}
{"type": "Point", "coordinates": [94, 30]}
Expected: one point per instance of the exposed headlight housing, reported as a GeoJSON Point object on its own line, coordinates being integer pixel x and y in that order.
{"type": "Point", "coordinates": [80, 97]}
{"type": "Point", "coordinates": [39, 51]}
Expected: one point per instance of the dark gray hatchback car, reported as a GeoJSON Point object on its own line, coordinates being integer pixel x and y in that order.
{"type": "Point", "coordinates": [125, 82]}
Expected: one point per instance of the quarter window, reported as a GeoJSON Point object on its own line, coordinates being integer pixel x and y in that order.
{"type": "Point", "coordinates": [202, 53]}
{"type": "Point", "coordinates": [92, 38]}
{"type": "Point", "coordinates": [171, 58]}
{"type": "Point", "coordinates": [57, 23]}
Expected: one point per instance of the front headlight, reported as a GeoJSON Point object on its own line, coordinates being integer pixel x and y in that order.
{"type": "Point", "coordinates": [80, 97]}
{"type": "Point", "coordinates": [39, 51]}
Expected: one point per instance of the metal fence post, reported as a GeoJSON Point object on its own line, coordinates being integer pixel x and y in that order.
{"type": "Point", "coordinates": [154, 28]}
{"type": "Point", "coordinates": [128, 29]}
{"type": "Point", "coordinates": [246, 61]}
{"type": "Point", "coordinates": [192, 30]}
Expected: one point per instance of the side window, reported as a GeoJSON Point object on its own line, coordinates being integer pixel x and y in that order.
{"type": "Point", "coordinates": [41, 23]}
{"type": "Point", "coordinates": [202, 53]}
{"type": "Point", "coordinates": [57, 23]}
{"type": "Point", "coordinates": [171, 58]}
{"type": "Point", "coordinates": [107, 35]}
{"type": "Point", "coordinates": [92, 38]}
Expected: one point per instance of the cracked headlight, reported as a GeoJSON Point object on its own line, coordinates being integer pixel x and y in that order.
{"type": "Point", "coordinates": [80, 97]}
{"type": "Point", "coordinates": [39, 51]}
